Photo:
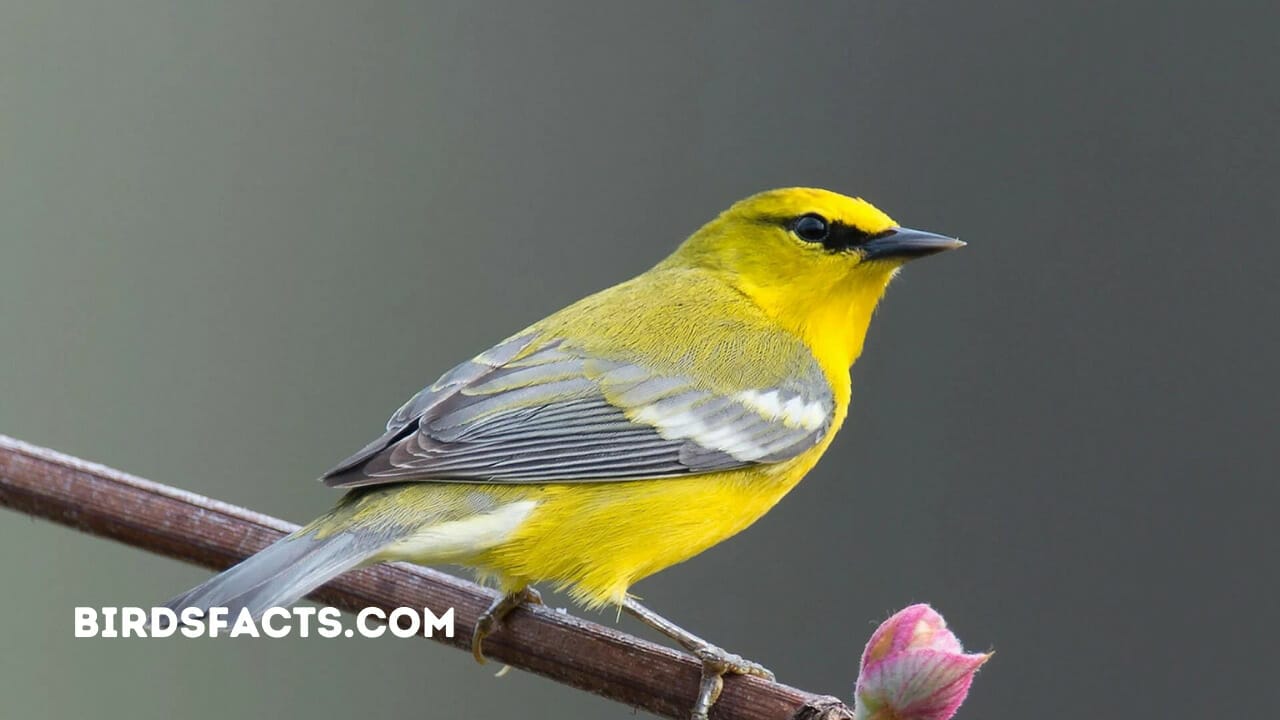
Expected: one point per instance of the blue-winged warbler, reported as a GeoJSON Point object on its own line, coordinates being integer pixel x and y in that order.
{"type": "Point", "coordinates": [623, 434]}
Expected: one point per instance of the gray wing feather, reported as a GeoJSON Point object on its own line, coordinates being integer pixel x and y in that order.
{"type": "Point", "coordinates": [555, 414]}
{"type": "Point", "coordinates": [405, 419]}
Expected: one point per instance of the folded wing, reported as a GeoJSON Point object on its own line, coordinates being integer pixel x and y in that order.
{"type": "Point", "coordinates": [558, 414]}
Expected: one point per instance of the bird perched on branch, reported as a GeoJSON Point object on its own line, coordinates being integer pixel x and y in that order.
{"type": "Point", "coordinates": [623, 434]}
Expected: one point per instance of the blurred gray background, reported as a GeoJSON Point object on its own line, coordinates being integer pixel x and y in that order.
{"type": "Point", "coordinates": [236, 236]}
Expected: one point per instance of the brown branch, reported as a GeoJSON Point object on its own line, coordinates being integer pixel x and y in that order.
{"type": "Point", "coordinates": [582, 654]}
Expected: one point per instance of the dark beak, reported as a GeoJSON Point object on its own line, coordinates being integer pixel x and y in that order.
{"type": "Point", "coordinates": [907, 244]}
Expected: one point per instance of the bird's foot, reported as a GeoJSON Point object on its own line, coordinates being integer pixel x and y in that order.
{"type": "Point", "coordinates": [716, 663]}
{"type": "Point", "coordinates": [490, 621]}
{"type": "Point", "coordinates": [727, 663]}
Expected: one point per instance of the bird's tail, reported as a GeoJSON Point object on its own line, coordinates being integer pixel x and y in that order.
{"type": "Point", "coordinates": [420, 522]}
{"type": "Point", "coordinates": [286, 571]}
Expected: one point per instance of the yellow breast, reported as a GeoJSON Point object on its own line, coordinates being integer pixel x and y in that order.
{"type": "Point", "coordinates": [597, 539]}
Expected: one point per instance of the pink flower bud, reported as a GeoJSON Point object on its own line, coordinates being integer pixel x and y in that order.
{"type": "Point", "coordinates": [914, 669]}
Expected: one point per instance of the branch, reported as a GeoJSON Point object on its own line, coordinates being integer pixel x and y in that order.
{"type": "Point", "coordinates": [106, 502]}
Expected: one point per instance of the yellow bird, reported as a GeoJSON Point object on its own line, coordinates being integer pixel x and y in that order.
{"type": "Point", "coordinates": [623, 434]}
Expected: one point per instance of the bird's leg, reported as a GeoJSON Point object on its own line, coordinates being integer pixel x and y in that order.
{"type": "Point", "coordinates": [716, 662]}
{"type": "Point", "coordinates": [491, 619]}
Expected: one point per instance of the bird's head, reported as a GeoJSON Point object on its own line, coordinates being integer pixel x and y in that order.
{"type": "Point", "coordinates": [815, 260]}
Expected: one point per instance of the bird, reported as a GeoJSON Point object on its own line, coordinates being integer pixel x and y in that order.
{"type": "Point", "coordinates": [621, 435]}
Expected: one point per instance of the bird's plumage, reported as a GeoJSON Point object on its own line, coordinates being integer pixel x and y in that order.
{"type": "Point", "coordinates": [627, 432]}
{"type": "Point", "coordinates": [567, 401]}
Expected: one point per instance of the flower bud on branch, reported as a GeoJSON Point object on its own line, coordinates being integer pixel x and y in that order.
{"type": "Point", "coordinates": [914, 669]}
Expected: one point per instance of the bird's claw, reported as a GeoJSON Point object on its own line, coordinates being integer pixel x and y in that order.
{"type": "Point", "coordinates": [490, 621]}
{"type": "Point", "coordinates": [716, 663]}
{"type": "Point", "coordinates": [485, 626]}
{"type": "Point", "coordinates": [725, 662]}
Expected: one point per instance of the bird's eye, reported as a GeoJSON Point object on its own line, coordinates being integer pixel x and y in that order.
{"type": "Point", "coordinates": [811, 228]}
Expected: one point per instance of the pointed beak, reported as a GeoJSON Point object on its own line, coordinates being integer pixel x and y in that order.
{"type": "Point", "coordinates": [907, 244]}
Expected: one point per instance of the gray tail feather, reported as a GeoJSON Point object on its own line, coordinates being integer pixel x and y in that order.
{"type": "Point", "coordinates": [283, 573]}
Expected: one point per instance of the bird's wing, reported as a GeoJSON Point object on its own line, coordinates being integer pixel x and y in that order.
{"type": "Point", "coordinates": [555, 414]}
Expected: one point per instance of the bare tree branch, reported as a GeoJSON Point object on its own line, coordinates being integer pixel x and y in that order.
{"type": "Point", "coordinates": [101, 501]}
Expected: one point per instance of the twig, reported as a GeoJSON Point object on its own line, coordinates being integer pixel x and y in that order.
{"type": "Point", "coordinates": [106, 502]}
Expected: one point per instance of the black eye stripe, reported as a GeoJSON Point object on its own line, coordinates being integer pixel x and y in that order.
{"type": "Point", "coordinates": [839, 237]}
{"type": "Point", "coordinates": [845, 237]}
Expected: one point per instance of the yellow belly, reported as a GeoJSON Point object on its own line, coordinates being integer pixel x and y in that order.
{"type": "Point", "coordinates": [597, 539]}
{"type": "Point", "coordinates": [592, 539]}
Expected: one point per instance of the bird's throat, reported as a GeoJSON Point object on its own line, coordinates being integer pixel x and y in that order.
{"type": "Point", "coordinates": [834, 324]}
